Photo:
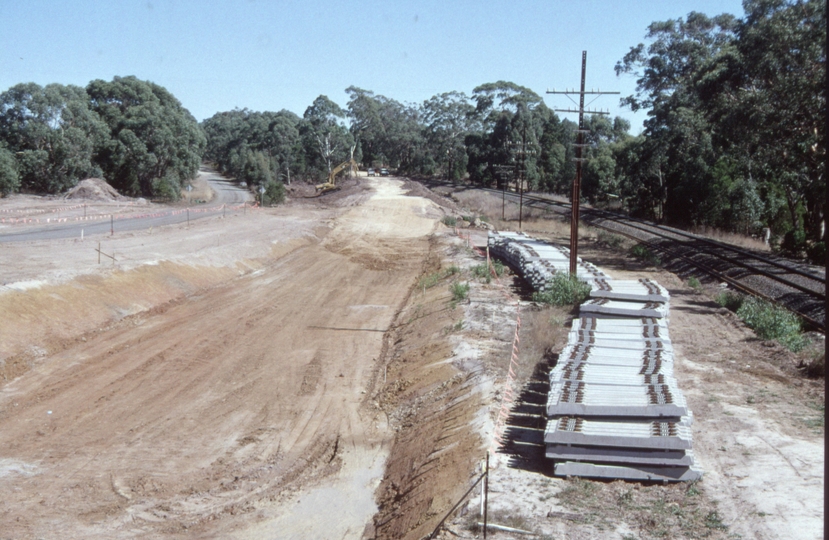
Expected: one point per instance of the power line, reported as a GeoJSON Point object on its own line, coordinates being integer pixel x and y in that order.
{"type": "Point", "coordinates": [574, 217]}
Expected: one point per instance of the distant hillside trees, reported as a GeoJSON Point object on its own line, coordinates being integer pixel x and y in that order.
{"type": "Point", "coordinates": [736, 128]}
{"type": "Point", "coordinates": [133, 133]}
{"type": "Point", "coordinates": [259, 148]}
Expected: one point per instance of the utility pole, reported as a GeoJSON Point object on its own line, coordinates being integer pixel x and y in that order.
{"type": "Point", "coordinates": [574, 217]}
{"type": "Point", "coordinates": [504, 172]}
{"type": "Point", "coordinates": [522, 173]}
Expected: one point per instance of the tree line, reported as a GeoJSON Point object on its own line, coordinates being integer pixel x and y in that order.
{"type": "Point", "coordinates": [734, 137]}
{"type": "Point", "coordinates": [133, 133]}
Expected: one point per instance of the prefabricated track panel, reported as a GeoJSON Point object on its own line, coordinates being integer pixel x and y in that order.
{"type": "Point", "coordinates": [627, 456]}
{"type": "Point", "coordinates": [577, 398]}
{"type": "Point", "coordinates": [603, 306]}
{"type": "Point", "coordinates": [615, 346]}
{"type": "Point", "coordinates": [603, 323]}
{"type": "Point", "coordinates": [624, 339]}
{"type": "Point", "coordinates": [653, 434]}
{"type": "Point", "coordinates": [641, 473]}
{"type": "Point", "coordinates": [642, 290]}
{"type": "Point", "coordinates": [646, 364]}
{"type": "Point", "coordinates": [609, 375]}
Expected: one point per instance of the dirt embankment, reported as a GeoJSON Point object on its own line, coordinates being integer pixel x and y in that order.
{"type": "Point", "coordinates": [180, 399]}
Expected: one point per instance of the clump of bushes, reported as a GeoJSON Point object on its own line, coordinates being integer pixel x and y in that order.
{"type": "Point", "coordinates": [643, 253]}
{"type": "Point", "coordinates": [694, 283]}
{"type": "Point", "coordinates": [772, 323]}
{"type": "Point", "coordinates": [429, 281]}
{"type": "Point", "coordinates": [481, 271]}
{"type": "Point", "coordinates": [460, 291]}
{"type": "Point", "coordinates": [609, 239]}
{"type": "Point", "coordinates": [450, 221]}
{"type": "Point", "coordinates": [563, 290]}
{"type": "Point", "coordinates": [730, 300]}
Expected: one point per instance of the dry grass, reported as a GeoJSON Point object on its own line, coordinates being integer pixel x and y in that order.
{"type": "Point", "coordinates": [656, 511]}
{"type": "Point", "coordinates": [543, 330]}
{"type": "Point", "coordinates": [734, 239]}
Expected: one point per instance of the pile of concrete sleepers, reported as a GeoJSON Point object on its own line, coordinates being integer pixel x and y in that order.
{"type": "Point", "coordinates": [538, 261]}
{"type": "Point", "coordinates": [614, 409]}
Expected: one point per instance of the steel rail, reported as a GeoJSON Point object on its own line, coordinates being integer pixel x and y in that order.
{"type": "Point", "coordinates": [661, 230]}
{"type": "Point", "coordinates": [715, 250]}
{"type": "Point", "coordinates": [664, 232]}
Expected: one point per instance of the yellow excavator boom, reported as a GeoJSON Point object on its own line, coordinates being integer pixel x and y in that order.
{"type": "Point", "coordinates": [331, 176]}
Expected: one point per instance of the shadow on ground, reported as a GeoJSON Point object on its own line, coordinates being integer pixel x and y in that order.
{"type": "Point", "coordinates": [524, 431]}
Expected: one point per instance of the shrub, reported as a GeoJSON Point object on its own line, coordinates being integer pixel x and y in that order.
{"type": "Point", "coordinates": [274, 192]}
{"type": "Point", "coordinates": [643, 253]}
{"type": "Point", "coordinates": [730, 300]}
{"type": "Point", "coordinates": [794, 242]}
{"type": "Point", "coordinates": [563, 290]}
{"type": "Point", "coordinates": [459, 291]}
{"type": "Point", "coordinates": [694, 283]}
{"type": "Point", "coordinates": [817, 253]}
{"type": "Point", "coordinates": [481, 271]}
{"type": "Point", "coordinates": [608, 239]}
{"type": "Point", "coordinates": [429, 281]}
{"type": "Point", "coordinates": [449, 221]}
{"type": "Point", "coordinates": [771, 322]}
{"type": "Point", "coordinates": [9, 177]}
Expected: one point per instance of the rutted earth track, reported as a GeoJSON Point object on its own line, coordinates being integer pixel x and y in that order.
{"type": "Point", "coordinates": [205, 414]}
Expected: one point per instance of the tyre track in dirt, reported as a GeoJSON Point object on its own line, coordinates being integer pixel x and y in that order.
{"type": "Point", "coordinates": [213, 415]}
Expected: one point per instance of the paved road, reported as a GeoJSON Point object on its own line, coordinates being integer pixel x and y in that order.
{"type": "Point", "coordinates": [227, 195]}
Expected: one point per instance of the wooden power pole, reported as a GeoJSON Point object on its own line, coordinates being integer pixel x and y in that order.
{"type": "Point", "coordinates": [574, 216]}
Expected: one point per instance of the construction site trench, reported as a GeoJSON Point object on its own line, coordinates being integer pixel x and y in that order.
{"type": "Point", "coordinates": [310, 371]}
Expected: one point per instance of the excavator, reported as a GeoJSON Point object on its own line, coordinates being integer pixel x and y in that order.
{"type": "Point", "coordinates": [328, 186]}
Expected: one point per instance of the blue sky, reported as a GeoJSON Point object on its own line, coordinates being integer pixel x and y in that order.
{"type": "Point", "coordinates": [281, 54]}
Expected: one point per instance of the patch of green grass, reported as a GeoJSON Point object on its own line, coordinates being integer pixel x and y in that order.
{"type": "Point", "coordinates": [771, 322]}
{"type": "Point", "coordinates": [714, 521]}
{"type": "Point", "coordinates": [609, 239]}
{"type": "Point", "coordinates": [450, 221]}
{"type": "Point", "coordinates": [481, 271]}
{"type": "Point", "coordinates": [460, 291]}
{"type": "Point", "coordinates": [694, 283]}
{"type": "Point", "coordinates": [730, 300]}
{"type": "Point", "coordinates": [430, 280]}
{"type": "Point", "coordinates": [644, 254]}
{"type": "Point", "coordinates": [563, 290]}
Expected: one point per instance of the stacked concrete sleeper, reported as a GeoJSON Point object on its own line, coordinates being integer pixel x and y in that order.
{"type": "Point", "coordinates": [614, 409]}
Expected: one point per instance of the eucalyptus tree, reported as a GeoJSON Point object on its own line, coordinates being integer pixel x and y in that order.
{"type": "Point", "coordinates": [9, 178]}
{"type": "Point", "coordinates": [447, 119]}
{"type": "Point", "coordinates": [767, 96]}
{"type": "Point", "coordinates": [52, 135]}
{"type": "Point", "coordinates": [386, 131]}
{"type": "Point", "coordinates": [510, 120]}
{"type": "Point", "coordinates": [155, 144]}
{"type": "Point", "coordinates": [676, 123]}
{"type": "Point", "coordinates": [327, 141]}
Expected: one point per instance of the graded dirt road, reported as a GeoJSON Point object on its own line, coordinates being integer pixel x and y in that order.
{"type": "Point", "coordinates": [201, 417]}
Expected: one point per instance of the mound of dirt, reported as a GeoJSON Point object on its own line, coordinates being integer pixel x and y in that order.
{"type": "Point", "coordinates": [94, 189]}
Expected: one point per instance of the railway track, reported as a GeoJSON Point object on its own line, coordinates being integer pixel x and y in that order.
{"type": "Point", "coordinates": [799, 287]}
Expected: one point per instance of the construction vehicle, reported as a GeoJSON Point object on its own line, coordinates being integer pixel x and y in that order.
{"type": "Point", "coordinates": [331, 184]}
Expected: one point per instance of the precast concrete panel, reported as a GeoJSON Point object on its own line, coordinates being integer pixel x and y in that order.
{"type": "Point", "coordinates": [642, 473]}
